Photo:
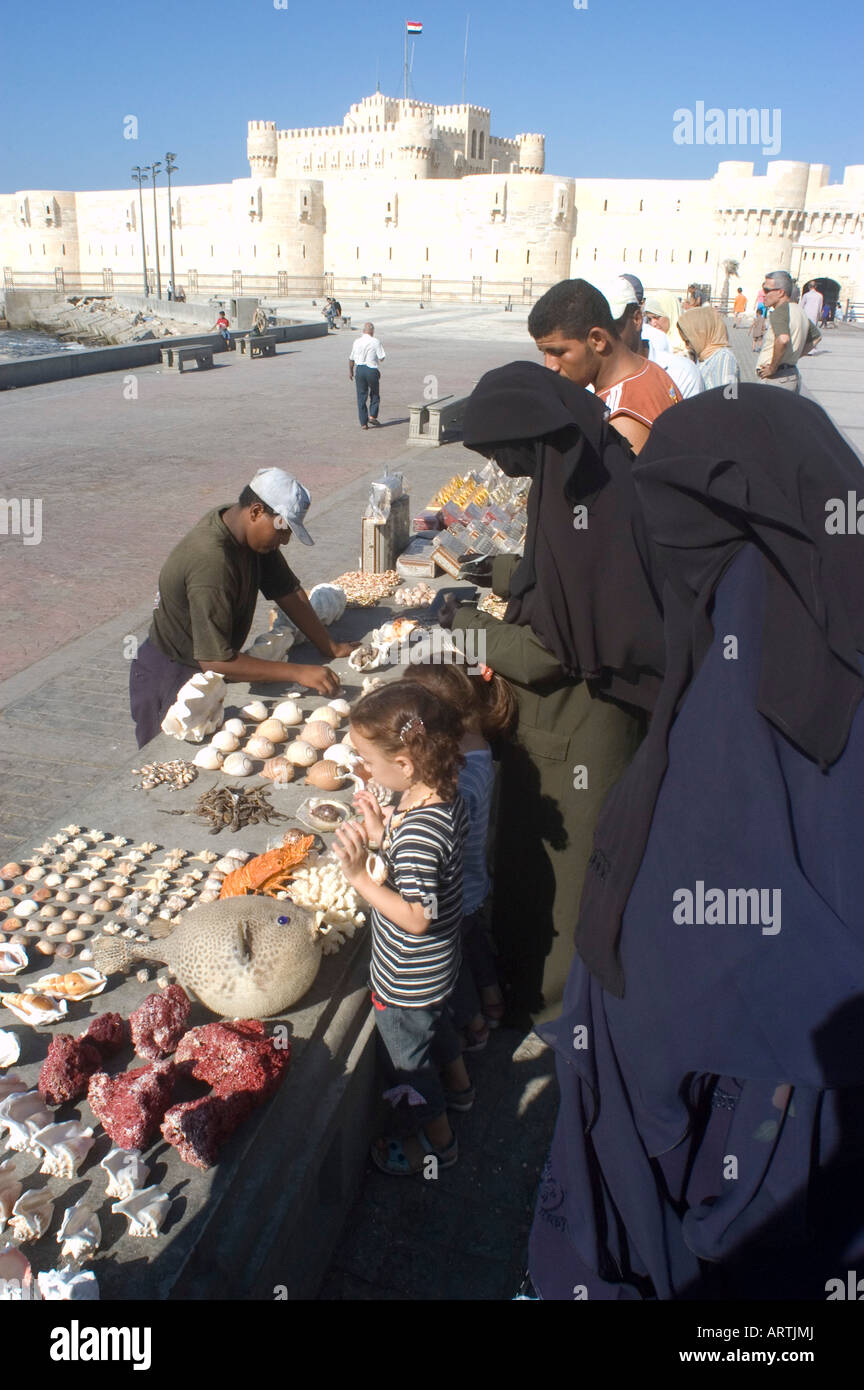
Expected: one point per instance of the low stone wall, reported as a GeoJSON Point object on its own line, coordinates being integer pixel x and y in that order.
{"type": "Point", "coordinates": [61, 366]}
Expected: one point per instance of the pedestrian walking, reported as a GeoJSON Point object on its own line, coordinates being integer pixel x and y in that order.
{"type": "Point", "coordinates": [812, 301]}
{"type": "Point", "coordinates": [739, 304]}
{"type": "Point", "coordinates": [409, 742]}
{"type": "Point", "coordinates": [363, 370]}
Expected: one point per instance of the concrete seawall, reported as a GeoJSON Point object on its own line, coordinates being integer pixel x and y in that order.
{"type": "Point", "coordinates": [35, 371]}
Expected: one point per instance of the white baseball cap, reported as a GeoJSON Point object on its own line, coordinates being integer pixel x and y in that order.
{"type": "Point", "coordinates": [618, 293]}
{"type": "Point", "coordinates": [288, 498]}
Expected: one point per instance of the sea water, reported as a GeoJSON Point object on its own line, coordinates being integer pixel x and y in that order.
{"type": "Point", "coordinates": [16, 343]}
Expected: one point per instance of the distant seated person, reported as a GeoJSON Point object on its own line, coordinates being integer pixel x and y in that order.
{"type": "Point", "coordinates": [329, 311]}
{"type": "Point", "coordinates": [208, 590]}
{"type": "Point", "coordinates": [259, 322]}
{"type": "Point", "coordinates": [180, 295]}
{"type": "Point", "coordinates": [221, 327]}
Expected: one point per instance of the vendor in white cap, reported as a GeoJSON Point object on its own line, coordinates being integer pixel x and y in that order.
{"type": "Point", "coordinates": [208, 590]}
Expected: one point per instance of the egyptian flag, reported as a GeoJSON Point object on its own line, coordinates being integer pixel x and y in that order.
{"type": "Point", "coordinates": [413, 26]}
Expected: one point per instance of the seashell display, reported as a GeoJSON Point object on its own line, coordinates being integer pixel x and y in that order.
{"type": "Point", "coordinates": [193, 876]}
{"type": "Point", "coordinates": [11, 1085]}
{"type": "Point", "coordinates": [367, 658]}
{"type": "Point", "coordinates": [25, 908]}
{"type": "Point", "coordinates": [329, 602]}
{"type": "Point", "coordinates": [273, 729]}
{"type": "Point", "coordinates": [226, 741]}
{"type": "Point", "coordinates": [45, 948]}
{"type": "Point", "coordinates": [23, 1114]}
{"type": "Point", "coordinates": [116, 892]}
{"type": "Point", "coordinates": [80, 1233]}
{"type": "Point", "coordinates": [127, 1172]}
{"type": "Point", "coordinates": [256, 710]}
{"type": "Point", "coordinates": [13, 959]}
{"type": "Point", "coordinates": [20, 890]}
{"type": "Point", "coordinates": [208, 895]}
{"type": "Point", "coordinates": [87, 920]}
{"type": "Point", "coordinates": [56, 929]}
{"type": "Point", "coordinates": [41, 895]}
{"type": "Point", "coordinates": [69, 855]}
{"type": "Point", "coordinates": [80, 845]}
{"type": "Point", "coordinates": [53, 880]}
{"type": "Point", "coordinates": [300, 753]}
{"type": "Point", "coordinates": [6, 904]}
{"type": "Point", "coordinates": [71, 830]}
{"type": "Point", "coordinates": [371, 683]}
{"type": "Point", "coordinates": [206, 856]}
{"type": "Point", "coordinates": [10, 1049]}
{"type": "Point", "coordinates": [69, 1285]}
{"type": "Point", "coordinates": [63, 896]}
{"type": "Point", "coordinates": [110, 929]}
{"type": "Point", "coordinates": [10, 1190]}
{"type": "Point", "coordinates": [76, 934]}
{"type": "Point", "coordinates": [259, 747]}
{"type": "Point", "coordinates": [197, 709]}
{"type": "Point", "coordinates": [75, 881]}
{"type": "Point", "coordinates": [65, 951]}
{"type": "Point", "coordinates": [70, 915]}
{"type": "Point", "coordinates": [99, 885]}
{"type": "Point", "coordinates": [77, 984]}
{"type": "Point", "coordinates": [65, 1147]}
{"type": "Point", "coordinates": [322, 814]}
{"type": "Point", "coordinates": [146, 847]}
{"type": "Point", "coordinates": [326, 775]}
{"type": "Point", "coordinates": [103, 905]}
{"type": "Point", "coordinates": [318, 734]}
{"type": "Point", "coordinates": [31, 1214]}
{"type": "Point", "coordinates": [11, 870]}
{"type": "Point", "coordinates": [238, 765]}
{"type": "Point", "coordinates": [145, 1209]}
{"type": "Point", "coordinates": [35, 874]}
{"type": "Point", "coordinates": [209, 758]}
{"type": "Point", "coordinates": [288, 713]}
{"type": "Point", "coordinates": [96, 835]}
{"type": "Point", "coordinates": [35, 1008]}
{"type": "Point", "coordinates": [235, 726]}
{"type": "Point", "coordinates": [84, 900]}
{"type": "Point", "coordinates": [342, 707]}
{"type": "Point", "coordinates": [325, 714]}
{"type": "Point", "coordinates": [278, 769]}
{"type": "Point", "coordinates": [125, 866]}
{"type": "Point", "coordinates": [16, 1277]}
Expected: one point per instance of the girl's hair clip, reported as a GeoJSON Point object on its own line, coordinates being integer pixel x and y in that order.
{"type": "Point", "coordinates": [415, 722]}
{"type": "Point", "coordinates": [486, 672]}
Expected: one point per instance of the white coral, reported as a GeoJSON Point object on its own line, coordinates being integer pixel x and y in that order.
{"type": "Point", "coordinates": [198, 708]}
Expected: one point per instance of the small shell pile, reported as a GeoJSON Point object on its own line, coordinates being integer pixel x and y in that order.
{"type": "Point", "coordinates": [269, 749]}
{"type": "Point", "coordinates": [365, 590]}
{"type": "Point", "coordinates": [174, 775]}
{"type": "Point", "coordinates": [337, 907]}
{"type": "Point", "coordinates": [496, 607]}
{"type": "Point", "coordinates": [417, 597]}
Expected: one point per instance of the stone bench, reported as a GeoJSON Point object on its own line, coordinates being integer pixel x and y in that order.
{"type": "Point", "coordinates": [436, 422]}
{"type": "Point", "coordinates": [258, 345]}
{"type": "Point", "coordinates": [202, 353]}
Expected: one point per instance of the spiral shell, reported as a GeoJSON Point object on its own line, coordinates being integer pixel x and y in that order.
{"type": "Point", "coordinates": [237, 765]}
{"type": "Point", "coordinates": [326, 776]}
{"type": "Point", "coordinates": [278, 769]}
{"type": "Point", "coordinates": [273, 729]}
{"type": "Point", "coordinates": [259, 747]}
{"type": "Point", "coordinates": [288, 712]}
{"type": "Point", "coordinates": [342, 708]}
{"type": "Point", "coordinates": [226, 741]}
{"type": "Point", "coordinates": [318, 734]}
{"type": "Point", "coordinates": [256, 711]}
{"type": "Point", "coordinates": [235, 726]}
{"type": "Point", "coordinates": [303, 754]}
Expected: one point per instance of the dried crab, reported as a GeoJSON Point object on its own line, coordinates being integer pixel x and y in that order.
{"type": "Point", "coordinates": [268, 874]}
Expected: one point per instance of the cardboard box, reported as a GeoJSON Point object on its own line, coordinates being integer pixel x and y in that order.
{"type": "Point", "coordinates": [382, 542]}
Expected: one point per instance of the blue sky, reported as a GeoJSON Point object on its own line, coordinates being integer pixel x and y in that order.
{"type": "Point", "coordinates": [602, 82]}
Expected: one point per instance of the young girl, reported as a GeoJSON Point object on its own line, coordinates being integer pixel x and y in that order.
{"type": "Point", "coordinates": [409, 742]}
{"type": "Point", "coordinates": [487, 711]}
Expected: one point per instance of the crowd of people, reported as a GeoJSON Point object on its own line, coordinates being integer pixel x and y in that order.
{"type": "Point", "coordinates": [662, 876]}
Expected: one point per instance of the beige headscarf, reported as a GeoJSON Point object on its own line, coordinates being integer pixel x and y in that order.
{"type": "Point", "coordinates": [665, 302]}
{"type": "Point", "coordinates": [704, 330]}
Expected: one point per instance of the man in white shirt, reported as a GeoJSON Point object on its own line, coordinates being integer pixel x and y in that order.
{"type": "Point", "coordinates": [363, 370]}
{"type": "Point", "coordinates": [811, 303]}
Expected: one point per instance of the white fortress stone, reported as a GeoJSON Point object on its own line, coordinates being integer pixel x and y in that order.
{"type": "Point", "coordinates": [423, 200]}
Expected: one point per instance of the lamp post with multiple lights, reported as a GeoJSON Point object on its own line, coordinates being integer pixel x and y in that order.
{"type": "Point", "coordinates": [154, 169]}
{"type": "Point", "coordinates": [171, 168]}
{"type": "Point", "coordinates": [139, 176]}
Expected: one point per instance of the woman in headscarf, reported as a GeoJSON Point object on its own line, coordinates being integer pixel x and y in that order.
{"type": "Point", "coordinates": [581, 643]}
{"type": "Point", "coordinates": [704, 332]}
{"type": "Point", "coordinates": [663, 310]}
{"type": "Point", "coordinates": [710, 1136]}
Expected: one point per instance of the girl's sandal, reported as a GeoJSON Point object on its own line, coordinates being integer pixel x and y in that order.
{"type": "Point", "coordinates": [493, 1014]}
{"type": "Point", "coordinates": [390, 1155]}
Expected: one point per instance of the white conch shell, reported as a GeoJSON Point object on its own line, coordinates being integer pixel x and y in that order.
{"type": "Point", "coordinates": [260, 747]}
{"type": "Point", "coordinates": [226, 741]}
{"type": "Point", "coordinates": [300, 753]}
{"type": "Point", "coordinates": [235, 726]}
{"type": "Point", "coordinates": [145, 1210]}
{"type": "Point", "coordinates": [65, 1146]}
{"type": "Point", "coordinates": [326, 714]}
{"type": "Point", "coordinates": [127, 1172]}
{"type": "Point", "coordinates": [256, 711]}
{"type": "Point", "coordinates": [13, 959]}
{"type": "Point", "coordinates": [376, 868]}
{"type": "Point", "coordinates": [343, 756]}
{"type": "Point", "coordinates": [371, 683]}
{"type": "Point", "coordinates": [70, 1285]}
{"type": "Point", "coordinates": [80, 1233]}
{"type": "Point", "coordinates": [288, 712]}
{"type": "Point", "coordinates": [342, 707]}
{"type": "Point", "coordinates": [10, 1049]}
{"type": "Point", "coordinates": [237, 765]}
{"type": "Point", "coordinates": [24, 1113]}
{"type": "Point", "coordinates": [16, 1279]}
{"type": "Point", "coordinates": [208, 757]}
{"type": "Point", "coordinates": [329, 602]}
{"type": "Point", "coordinates": [29, 1009]}
{"type": "Point", "coordinates": [11, 1085]}
{"type": "Point", "coordinates": [10, 1190]}
{"type": "Point", "coordinates": [31, 1214]}
{"type": "Point", "coordinates": [197, 710]}
{"type": "Point", "coordinates": [75, 984]}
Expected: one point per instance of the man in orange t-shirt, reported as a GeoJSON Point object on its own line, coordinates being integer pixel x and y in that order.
{"type": "Point", "coordinates": [573, 326]}
{"type": "Point", "coordinates": [739, 304]}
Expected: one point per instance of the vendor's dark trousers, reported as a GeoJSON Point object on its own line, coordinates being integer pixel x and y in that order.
{"type": "Point", "coordinates": [154, 681]}
{"type": "Point", "coordinates": [366, 380]}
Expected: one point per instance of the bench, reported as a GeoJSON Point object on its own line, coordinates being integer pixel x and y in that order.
{"type": "Point", "coordinates": [436, 422]}
{"type": "Point", "coordinates": [259, 345]}
{"type": "Point", "coordinates": [202, 353]}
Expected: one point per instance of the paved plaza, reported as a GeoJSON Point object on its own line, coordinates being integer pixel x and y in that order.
{"type": "Point", "coordinates": [124, 465]}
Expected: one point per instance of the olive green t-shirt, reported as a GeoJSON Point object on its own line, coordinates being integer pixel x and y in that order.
{"type": "Point", "coordinates": [208, 589]}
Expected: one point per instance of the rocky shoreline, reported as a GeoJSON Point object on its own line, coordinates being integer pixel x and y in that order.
{"type": "Point", "coordinates": [100, 322]}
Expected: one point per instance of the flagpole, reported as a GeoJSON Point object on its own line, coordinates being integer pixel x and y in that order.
{"type": "Point", "coordinates": [405, 60]}
{"type": "Point", "coordinates": [465, 60]}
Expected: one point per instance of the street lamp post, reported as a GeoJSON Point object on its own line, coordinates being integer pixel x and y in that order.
{"type": "Point", "coordinates": [139, 175]}
{"type": "Point", "coordinates": [154, 170]}
{"type": "Point", "coordinates": [170, 168]}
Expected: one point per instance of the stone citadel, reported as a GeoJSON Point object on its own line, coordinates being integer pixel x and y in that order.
{"type": "Point", "coordinates": [410, 199]}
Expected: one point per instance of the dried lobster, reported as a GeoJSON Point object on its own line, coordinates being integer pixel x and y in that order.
{"type": "Point", "coordinates": [270, 873]}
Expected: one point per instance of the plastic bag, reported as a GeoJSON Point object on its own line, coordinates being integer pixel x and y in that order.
{"type": "Point", "coordinates": [382, 494]}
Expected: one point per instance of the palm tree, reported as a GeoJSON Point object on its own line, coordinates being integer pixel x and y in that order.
{"type": "Point", "coordinates": [730, 268]}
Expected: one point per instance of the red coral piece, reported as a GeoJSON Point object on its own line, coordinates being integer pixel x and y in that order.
{"type": "Point", "coordinates": [131, 1106]}
{"type": "Point", "coordinates": [198, 1128]}
{"type": "Point", "coordinates": [234, 1057]}
{"type": "Point", "coordinates": [160, 1022]}
{"type": "Point", "coordinates": [67, 1068]}
{"type": "Point", "coordinates": [108, 1033]}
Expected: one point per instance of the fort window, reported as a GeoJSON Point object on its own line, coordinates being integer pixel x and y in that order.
{"type": "Point", "coordinates": [706, 257]}
{"type": "Point", "coordinates": [473, 144]}
{"type": "Point", "coordinates": [656, 257]}
{"type": "Point", "coordinates": [641, 204]}
{"type": "Point", "coordinates": [390, 253]}
{"type": "Point", "coordinates": [595, 253]}
{"type": "Point", "coordinates": [624, 254]}
{"type": "Point", "coordinates": [640, 253]}
{"type": "Point", "coordinates": [427, 253]}
{"type": "Point", "coordinates": [211, 251]}
{"type": "Point", "coordinates": [605, 204]}
{"type": "Point", "coordinates": [496, 257]}
{"type": "Point", "coordinates": [689, 257]}
{"type": "Point", "coordinates": [527, 257]}
{"type": "Point", "coordinates": [482, 150]}
{"type": "Point", "coordinates": [356, 253]}
{"type": "Point", "coordinates": [63, 249]}
{"type": "Point", "coordinates": [678, 205]}
{"type": "Point", "coordinates": [556, 258]}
